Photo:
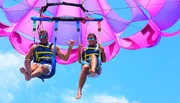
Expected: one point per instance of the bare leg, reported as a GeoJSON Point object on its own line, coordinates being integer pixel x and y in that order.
{"type": "Point", "coordinates": [40, 70]}
{"type": "Point", "coordinates": [24, 72]}
{"type": "Point", "coordinates": [93, 64]}
{"type": "Point", "coordinates": [82, 81]}
{"type": "Point", "coordinates": [36, 71]}
{"type": "Point", "coordinates": [34, 67]}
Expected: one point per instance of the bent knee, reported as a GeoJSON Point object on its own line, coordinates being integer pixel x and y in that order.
{"type": "Point", "coordinates": [43, 69]}
{"type": "Point", "coordinates": [34, 66]}
{"type": "Point", "coordinates": [93, 55]}
{"type": "Point", "coordinates": [85, 68]}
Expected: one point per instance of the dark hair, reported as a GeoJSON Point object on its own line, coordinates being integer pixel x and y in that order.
{"type": "Point", "coordinates": [93, 35]}
{"type": "Point", "coordinates": [42, 31]}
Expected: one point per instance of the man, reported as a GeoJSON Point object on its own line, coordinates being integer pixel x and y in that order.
{"type": "Point", "coordinates": [90, 63]}
{"type": "Point", "coordinates": [41, 54]}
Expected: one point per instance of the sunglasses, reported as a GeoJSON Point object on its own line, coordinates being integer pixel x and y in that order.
{"type": "Point", "coordinates": [90, 39]}
{"type": "Point", "coordinates": [43, 36]}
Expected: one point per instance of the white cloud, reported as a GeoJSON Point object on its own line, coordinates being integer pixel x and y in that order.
{"type": "Point", "coordinates": [69, 97]}
{"type": "Point", "coordinates": [135, 102]}
{"type": "Point", "coordinates": [103, 98]}
{"type": "Point", "coordinates": [9, 70]}
{"type": "Point", "coordinates": [10, 63]}
{"type": "Point", "coordinates": [6, 97]}
{"type": "Point", "coordinates": [47, 97]}
{"type": "Point", "coordinates": [55, 95]}
{"type": "Point", "coordinates": [10, 76]}
{"type": "Point", "coordinates": [11, 81]}
{"type": "Point", "coordinates": [87, 86]}
{"type": "Point", "coordinates": [10, 60]}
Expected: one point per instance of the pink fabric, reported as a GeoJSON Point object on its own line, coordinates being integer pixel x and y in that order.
{"type": "Point", "coordinates": [111, 17]}
{"type": "Point", "coordinates": [2, 31]}
{"type": "Point", "coordinates": [111, 50]}
{"type": "Point", "coordinates": [146, 37]}
{"type": "Point", "coordinates": [159, 9]}
{"type": "Point", "coordinates": [73, 57]}
{"type": "Point", "coordinates": [170, 34]}
{"type": "Point", "coordinates": [1, 2]}
{"type": "Point", "coordinates": [21, 10]}
{"type": "Point", "coordinates": [151, 5]}
{"type": "Point", "coordinates": [21, 44]}
{"type": "Point", "coordinates": [137, 13]}
{"type": "Point", "coordinates": [21, 35]}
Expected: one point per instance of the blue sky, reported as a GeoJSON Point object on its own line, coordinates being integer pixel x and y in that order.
{"type": "Point", "coordinates": [149, 75]}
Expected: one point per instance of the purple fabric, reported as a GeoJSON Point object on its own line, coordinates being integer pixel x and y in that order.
{"type": "Point", "coordinates": [145, 38]}
{"type": "Point", "coordinates": [168, 15]}
{"type": "Point", "coordinates": [164, 13]}
{"type": "Point", "coordinates": [2, 30]}
{"type": "Point", "coordinates": [20, 9]}
{"type": "Point", "coordinates": [170, 34]}
{"type": "Point", "coordinates": [21, 44]}
{"type": "Point", "coordinates": [112, 25]}
{"type": "Point", "coordinates": [73, 57]}
{"type": "Point", "coordinates": [152, 6]}
{"type": "Point", "coordinates": [112, 18]}
{"type": "Point", "coordinates": [137, 13]}
{"type": "Point", "coordinates": [1, 3]}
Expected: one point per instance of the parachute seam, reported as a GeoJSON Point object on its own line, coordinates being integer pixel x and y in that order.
{"type": "Point", "coordinates": [135, 6]}
{"type": "Point", "coordinates": [148, 4]}
{"type": "Point", "coordinates": [106, 20]}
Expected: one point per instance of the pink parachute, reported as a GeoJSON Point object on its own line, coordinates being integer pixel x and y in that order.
{"type": "Point", "coordinates": [163, 14]}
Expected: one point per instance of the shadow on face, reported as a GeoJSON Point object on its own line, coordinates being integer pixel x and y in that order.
{"type": "Point", "coordinates": [43, 36]}
{"type": "Point", "coordinates": [92, 39]}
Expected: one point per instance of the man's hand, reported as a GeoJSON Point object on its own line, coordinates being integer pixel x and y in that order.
{"type": "Point", "coordinates": [71, 43]}
{"type": "Point", "coordinates": [101, 48]}
{"type": "Point", "coordinates": [79, 47]}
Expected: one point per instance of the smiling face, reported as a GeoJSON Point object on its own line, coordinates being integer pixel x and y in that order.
{"type": "Point", "coordinates": [92, 39]}
{"type": "Point", "coordinates": [43, 36]}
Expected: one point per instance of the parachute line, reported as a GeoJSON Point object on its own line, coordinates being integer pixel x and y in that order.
{"type": "Point", "coordinates": [65, 3]}
{"type": "Point", "coordinates": [20, 2]}
{"type": "Point", "coordinates": [134, 6]}
{"type": "Point", "coordinates": [148, 3]}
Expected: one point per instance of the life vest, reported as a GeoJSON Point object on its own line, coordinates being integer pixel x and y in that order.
{"type": "Point", "coordinates": [43, 54]}
{"type": "Point", "coordinates": [91, 50]}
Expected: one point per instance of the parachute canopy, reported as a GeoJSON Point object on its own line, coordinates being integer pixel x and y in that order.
{"type": "Point", "coordinates": [157, 16]}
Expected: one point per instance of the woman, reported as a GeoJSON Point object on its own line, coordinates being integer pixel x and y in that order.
{"type": "Point", "coordinates": [91, 63]}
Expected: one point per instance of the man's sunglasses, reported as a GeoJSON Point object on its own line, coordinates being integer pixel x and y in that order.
{"type": "Point", "coordinates": [43, 36]}
{"type": "Point", "coordinates": [90, 39]}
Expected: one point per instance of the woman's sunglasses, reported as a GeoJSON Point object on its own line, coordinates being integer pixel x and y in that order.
{"type": "Point", "coordinates": [90, 39]}
{"type": "Point", "coordinates": [43, 36]}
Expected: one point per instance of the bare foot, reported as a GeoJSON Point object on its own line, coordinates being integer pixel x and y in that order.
{"type": "Point", "coordinates": [92, 73]}
{"type": "Point", "coordinates": [79, 94]}
{"type": "Point", "coordinates": [99, 72]}
{"type": "Point", "coordinates": [23, 71]}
